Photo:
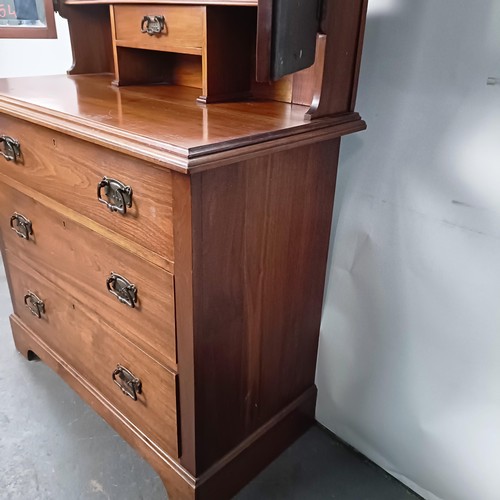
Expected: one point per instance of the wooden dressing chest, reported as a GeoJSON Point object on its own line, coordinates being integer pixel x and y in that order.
{"type": "Point", "coordinates": [165, 213]}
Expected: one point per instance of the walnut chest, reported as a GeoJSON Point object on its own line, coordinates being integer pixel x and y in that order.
{"type": "Point", "coordinates": [166, 244]}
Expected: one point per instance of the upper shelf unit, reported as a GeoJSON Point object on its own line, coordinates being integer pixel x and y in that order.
{"type": "Point", "coordinates": [295, 51]}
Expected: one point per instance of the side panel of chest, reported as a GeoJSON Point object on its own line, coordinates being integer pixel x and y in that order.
{"type": "Point", "coordinates": [260, 236]}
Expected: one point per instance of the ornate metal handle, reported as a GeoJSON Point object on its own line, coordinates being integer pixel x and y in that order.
{"type": "Point", "coordinates": [122, 289]}
{"type": "Point", "coordinates": [23, 227]}
{"type": "Point", "coordinates": [119, 195]}
{"type": "Point", "coordinates": [34, 304]}
{"type": "Point", "coordinates": [11, 148]}
{"type": "Point", "coordinates": [129, 384]}
{"type": "Point", "coordinates": [153, 25]}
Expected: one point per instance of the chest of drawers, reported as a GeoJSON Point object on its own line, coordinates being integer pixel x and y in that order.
{"type": "Point", "coordinates": [167, 257]}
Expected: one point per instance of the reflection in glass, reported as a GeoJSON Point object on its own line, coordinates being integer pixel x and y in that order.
{"type": "Point", "coordinates": [22, 13]}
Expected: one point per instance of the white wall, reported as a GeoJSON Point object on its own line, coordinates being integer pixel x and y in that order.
{"type": "Point", "coordinates": [36, 57]}
{"type": "Point", "coordinates": [409, 363]}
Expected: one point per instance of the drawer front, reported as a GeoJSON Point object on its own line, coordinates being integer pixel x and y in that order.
{"type": "Point", "coordinates": [79, 261]}
{"type": "Point", "coordinates": [182, 32]}
{"type": "Point", "coordinates": [95, 351]}
{"type": "Point", "coordinates": [69, 170]}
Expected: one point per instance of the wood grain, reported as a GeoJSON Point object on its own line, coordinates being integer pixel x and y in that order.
{"type": "Point", "coordinates": [79, 261]}
{"type": "Point", "coordinates": [359, 52]}
{"type": "Point", "coordinates": [221, 481]}
{"type": "Point", "coordinates": [264, 40]}
{"type": "Point", "coordinates": [179, 483]}
{"type": "Point", "coordinates": [183, 33]}
{"type": "Point", "coordinates": [229, 475]}
{"type": "Point", "coordinates": [228, 53]}
{"type": "Point", "coordinates": [143, 67]}
{"type": "Point", "coordinates": [344, 24]}
{"type": "Point", "coordinates": [128, 119]}
{"type": "Point", "coordinates": [76, 333]}
{"type": "Point", "coordinates": [68, 171]}
{"type": "Point", "coordinates": [90, 35]}
{"type": "Point", "coordinates": [226, 343]}
{"type": "Point", "coordinates": [183, 227]}
{"type": "Point", "coordinates": [280, 90]}
{"type": "Point", "coordinates": [307, 83]}
{"type": "Point", "coordinates": [260, 243]}
{"type": "Point", "coordinates": [112, 236]}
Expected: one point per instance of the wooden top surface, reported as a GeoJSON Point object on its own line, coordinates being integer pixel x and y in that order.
{"type": "Point", "coordinates": [163, 124]}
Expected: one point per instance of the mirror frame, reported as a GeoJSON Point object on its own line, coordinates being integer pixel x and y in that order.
{"type": "Point", "coordinates": [48, 31]}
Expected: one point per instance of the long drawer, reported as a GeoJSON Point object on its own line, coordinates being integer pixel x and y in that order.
{"type": "Point", "coordinates": [103, 358]}
{"type": "Point", "coordinates": [80, 262]}
{"type": "Point", "coordinates": [69, 170]}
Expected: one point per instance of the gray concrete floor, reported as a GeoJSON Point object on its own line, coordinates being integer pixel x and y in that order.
{"type": "Point", "coordinates": [54, 447]}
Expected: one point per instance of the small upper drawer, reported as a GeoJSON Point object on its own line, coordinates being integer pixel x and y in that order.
{"type": "Point", "coordinates": [179, 28]}
{"type": "Point", "coordinates": [69, 170]}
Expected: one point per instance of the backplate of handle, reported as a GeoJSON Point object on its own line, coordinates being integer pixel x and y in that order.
{"type": "Point", "coordinates": [119, 195]}
{"type": "Point", "coordinates": [122, 289]}
{"type": "Point", "coordinates": [153, 25]}
{"type": "Point", "coordinates": [21, 225]}
{"type": "Point", "coordinates": [35, 304]}
{"type": "Point", "coordinates": [129, 384]}
{"type": "Point", "coordinates": [10, 149]}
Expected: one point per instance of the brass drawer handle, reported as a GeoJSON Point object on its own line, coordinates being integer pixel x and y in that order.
{"type": "Point", "coordinates": [11, 148]}
{"type": "Point", "coordinates": [119, 196]}
{"type": "Point", "coordinates": [34, 304]}
{"type": "Point", "coordinates": [153, 25]}
{"type": "Point", "coordinates": [129, 384]}
{"type": "Point", "coordinates": [122, 289]}
{"type": "Point", "coordinates": [21, 225]}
